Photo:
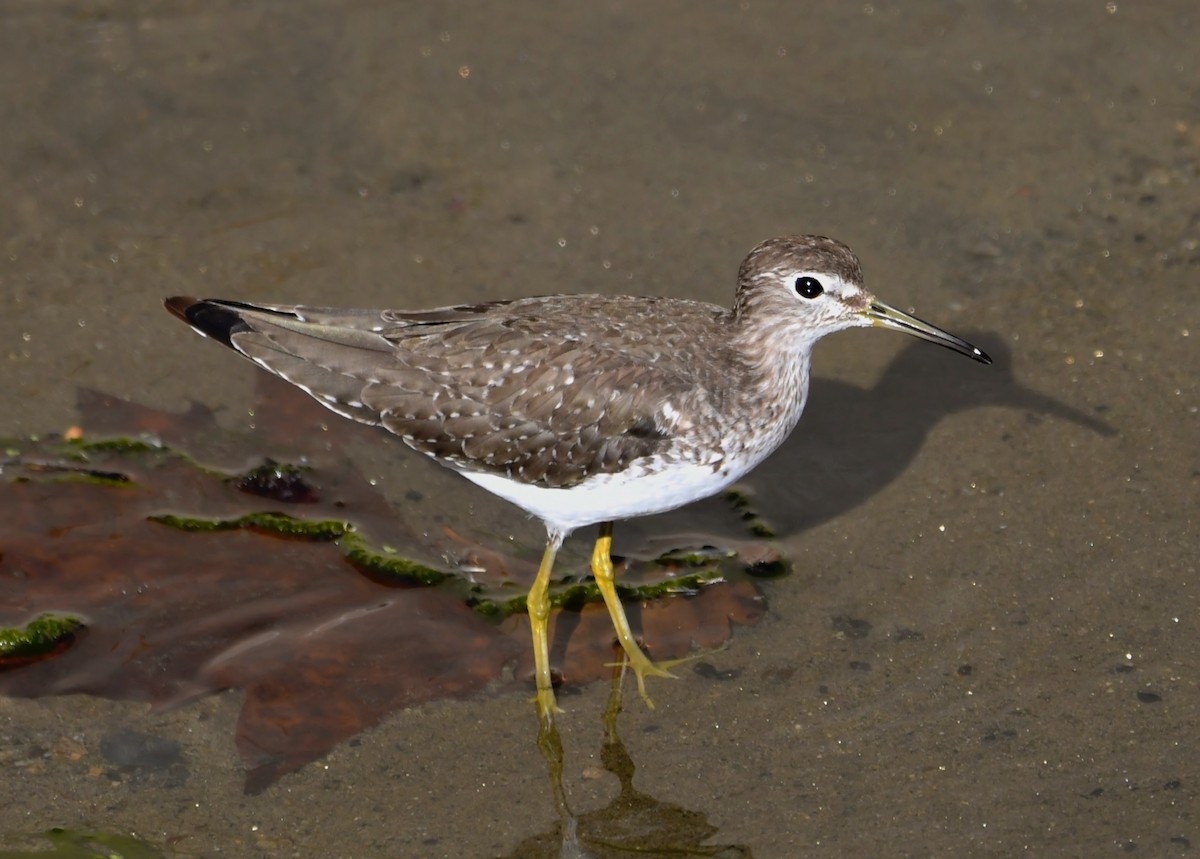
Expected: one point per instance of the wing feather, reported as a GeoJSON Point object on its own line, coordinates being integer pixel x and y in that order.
{"type": "Point", "coordinates": [547, 391]}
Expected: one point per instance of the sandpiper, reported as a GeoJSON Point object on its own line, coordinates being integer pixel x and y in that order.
{"type": "Point", "coordinates": [579, 409]}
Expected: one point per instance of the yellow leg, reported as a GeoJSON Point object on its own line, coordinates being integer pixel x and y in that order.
{"type": "Point", "coordinates": [538, 603]}
{"type": "Point", "coordinates": [602, 569]}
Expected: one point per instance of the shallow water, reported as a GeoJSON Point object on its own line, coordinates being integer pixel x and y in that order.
{"type": "Point", "coordinates": [988, 644]}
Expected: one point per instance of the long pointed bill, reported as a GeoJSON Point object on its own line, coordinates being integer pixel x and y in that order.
{"type": "Point", "coordinates": [889, 317]}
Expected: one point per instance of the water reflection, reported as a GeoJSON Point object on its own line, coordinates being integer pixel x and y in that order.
{"type": "Point", "coordinates": [634, 824]}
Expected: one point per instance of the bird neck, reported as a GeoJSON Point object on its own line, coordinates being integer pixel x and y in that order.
{"type": "Point", "coordinates": [776, 370]}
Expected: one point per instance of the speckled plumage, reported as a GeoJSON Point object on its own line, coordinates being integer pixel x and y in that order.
{"type": "Point", "coordinates": [551, 390]}
{"type": "Point", "coordinates": [579, 408]}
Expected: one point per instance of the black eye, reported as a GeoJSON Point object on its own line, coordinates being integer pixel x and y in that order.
{"type": "Point", "coordinates": [808, 287]}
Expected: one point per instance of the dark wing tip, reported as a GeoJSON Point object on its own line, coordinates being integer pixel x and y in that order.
{"type": "Point", "coordinates": [212, 319]}
{"type": "Point", "coordinates": [178, 305]}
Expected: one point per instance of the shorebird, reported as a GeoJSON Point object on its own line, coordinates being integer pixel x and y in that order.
{"type": "Point", "coordinates": [580, 409]}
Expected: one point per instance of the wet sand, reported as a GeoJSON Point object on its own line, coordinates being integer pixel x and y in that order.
{"type": "Point", "coordinates": [988, 645]}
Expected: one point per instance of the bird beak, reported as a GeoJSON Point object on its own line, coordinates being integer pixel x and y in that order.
{"type": "Point", "coordinates": [889, 317]}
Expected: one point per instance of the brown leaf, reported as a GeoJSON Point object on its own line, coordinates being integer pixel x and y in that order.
{"type": "Point", "coordinates": [321, 649]}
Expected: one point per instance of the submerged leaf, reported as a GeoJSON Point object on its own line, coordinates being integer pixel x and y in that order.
{"type": "Point", "coordinates": [200, 559]}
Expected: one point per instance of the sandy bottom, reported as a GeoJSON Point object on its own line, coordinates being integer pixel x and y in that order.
{"type": "Point", "coordinates": [988, 647]}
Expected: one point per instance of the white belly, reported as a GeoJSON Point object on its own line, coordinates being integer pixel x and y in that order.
{"type": "Point", "coordinates": [605, 497]}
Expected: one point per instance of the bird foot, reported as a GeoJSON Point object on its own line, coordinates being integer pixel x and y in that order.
{"type": "Point", "coordinates": [643, 666]}
{"type": "Point", "coordinates": [547, 705]}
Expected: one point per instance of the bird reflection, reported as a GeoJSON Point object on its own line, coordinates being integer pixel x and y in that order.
{"type": "Point", "coordinates": [634, 824]}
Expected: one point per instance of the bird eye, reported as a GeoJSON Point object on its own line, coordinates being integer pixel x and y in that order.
{"type": "Point", "coordinates": [808, 287]}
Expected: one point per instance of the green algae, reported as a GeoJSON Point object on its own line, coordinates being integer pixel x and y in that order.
{"type": "Point", "coordinates": [388, 564]}
{"type": "Point", "coordinates": [83, 451]}
{"type": "Point", "coordinates": [38, 637]}
{"type": "Point", "coordinates": [71, 844]}
{"type": "Point", "coordinates": [355, 549]}
{"type": "Point", "coordinates": [121, 445]}
{"type": "Point", "coordinates": [57, 458]}
{"type": "Point", "coordinates": [740, 502]}
{"type": "Point", "coordinates": [267, 522]}
{"type": "Point", "coordinates": [94, 476]}
{"type": "Point", "coordinates": [687, 574]}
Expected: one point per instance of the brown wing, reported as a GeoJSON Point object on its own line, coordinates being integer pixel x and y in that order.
{"type": "Point", "coordinates": [545, 391]}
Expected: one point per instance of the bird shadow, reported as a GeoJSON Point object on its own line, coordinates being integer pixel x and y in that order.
{"type": "Point", "coordinates": [852, 442]}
